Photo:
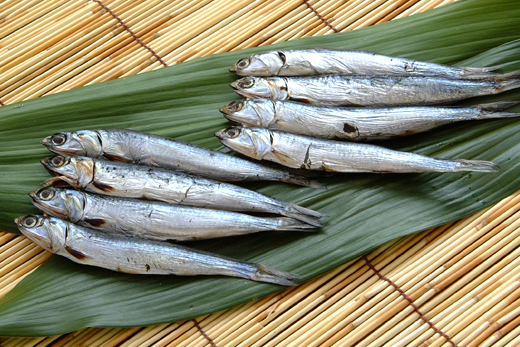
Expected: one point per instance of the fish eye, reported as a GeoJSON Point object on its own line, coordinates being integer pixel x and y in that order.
{"type": "Point", "coordinates": [247, 82]}
{"type": "Point", "coordinates": [59, 139]}
{"type": "Point", "coordinates": [243, 63]}
{"type": "Point", "coordinates": [58, 161]}
{"type": "Point", "coordinates": [235, 106]}
{"type": "Point", "coordinates": [29, 221]}
{"type": "Point", "coordinates": [46, 194]}
{"type": "Point", "coordinates": [232, 132]}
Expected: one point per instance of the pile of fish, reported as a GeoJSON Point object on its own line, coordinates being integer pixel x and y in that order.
{"type": "Point", "coordinates": [118, 197]}
{"type": "Point", "coordinates": [302, 103]}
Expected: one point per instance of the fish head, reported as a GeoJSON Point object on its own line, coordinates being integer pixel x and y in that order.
{"type": "Point", "coordinates": [253, 142]}
{"type": "Point", "coordinates": [262, 64]}
{"type": "Point", "coordinates": [274, 88]}
{"type": "Point", "coordinates": [76, 171]}
{"type": "Point", "coordinates": [83, 142]}
{"type": "Point", "coordinates": [48, 233]}
{"type": "Point", "coordinates": [250, 113]}
{"type": "Point", "coordinates": [67, 204]}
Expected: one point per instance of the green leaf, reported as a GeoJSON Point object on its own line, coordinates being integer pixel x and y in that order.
{"type": "Point", "coordinates": [182, 101]}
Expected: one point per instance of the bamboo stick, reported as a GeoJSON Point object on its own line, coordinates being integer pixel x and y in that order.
{"type": "Point", "coordinates": [389, 314]}
{"type": "Point", "coordinates": [396, 12]}
{"type": "Point", "coordinates": [123, 335]}
{"type": "Point", "coordinates": [455, 316]}
{"type": "Point", "coordinates": [495, 323]}
{"type": "Point", "coordinates": [308, 25]}
{"type": "Point", "coordinates": [13, 246]}
{"type": "Point", "coordinates": [44, 40]}
{"type": "Point", "coordinates": [267, 9]}
{"type": "Point", "coordinates": [346, 301]}
{"type": "Point", "coordinates": [14, 23]}
{"type": "Point", "coordinates": [509, 339]}
{"type": "Point", "coordinates": [449, 298]}
{"type": "Point", "coordinates": [145, 334]}
{"type": "Point", "coordinates": [60, 51]}
{"type": "Point", "coordinates": [490, 258]}
{"type": "Point", "coordinates": [79, 78]}
{"type": "Point", "coordinates": [373, 17]}
{"type": "Point", "coordinates": [87, 49]}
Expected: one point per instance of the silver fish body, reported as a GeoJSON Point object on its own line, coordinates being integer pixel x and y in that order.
{"type": "Point", "coordinates": [158, 151]}
{"type": "Point", "coordinates": [358, 90]}
{"type": "Point", "coordinates": [153, 219]}
{"type": "Point", "coordinates": [336, 156]}
{"type": "Point", "coordinates": [318, 61]}
{"type": "Point", "coordinates": [138, 256]}
{"type": "Point", "coordinates": [151, 183]}
{"type": "Point", "coordinates": [355, 123]}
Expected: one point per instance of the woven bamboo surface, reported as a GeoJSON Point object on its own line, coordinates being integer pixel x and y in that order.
{"type": "Point", "coordinates": [464, 277]}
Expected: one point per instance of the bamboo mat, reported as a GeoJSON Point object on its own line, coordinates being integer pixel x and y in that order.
{"type": "Point", "coordinates": [461, 280]}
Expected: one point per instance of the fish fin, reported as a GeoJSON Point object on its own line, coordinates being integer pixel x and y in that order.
{"type": "Point", "coordinates": [480, 71]}
{"type": "Point", "coordinates": [497, 106]}
{"type": "Point", "coordinates": [270, 275]}
{"type": "Point", "coordinates": [492, 110]}
{"type": "Point", "coordinates": [287, 223]}
{"type": "Point", "coordinates": [303, 181]}
{"type": "Point", "coordinates": [304, 214]}
{"type": "Point", "coordinates": [507, 81]}
{"type": "Point", "coordinates": [476, 165]}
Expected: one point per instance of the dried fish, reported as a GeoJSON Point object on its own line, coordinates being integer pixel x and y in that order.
{"type": "Point", "coordinates": [319, 61]}
{"type": "Point", "coordinates": [355, 123]}
{"type": "Point", "coordinates": [138, 256]}
{"type": "Point", "coordinates": [151, 183]}
{"type": "Point", "coordinates": [153, 150]}
{"type": "Point", "coordinates": [356, 90]}
{"type": "Point", "coordinates": [153, 219]}
{"type": "Point", "coordinates": [317, 154]}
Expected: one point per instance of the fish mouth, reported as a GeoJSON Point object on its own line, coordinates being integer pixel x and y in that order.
{"type": "Point", "coordinates": [232, 107]}
{"type": "Point", "coordinates": [234, 84]}
{"type": "Point", "coordinates": [220, 134]}
{"type": "Point", "coordinates": [46, 141]}
{"type": "Point", "coordinates": [233, 68]}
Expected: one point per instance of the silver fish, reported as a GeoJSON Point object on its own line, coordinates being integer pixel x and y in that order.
{"type": "Point", "coordinates": [153, 150]}
{"type": "Point", "coordinates": [356, 90]}
{"type": "Point", "coordinates": [318, 61]}
{"type": "Point", "coordinates": [317, 154]}
{"type": "Point", "coordinates": [151, 183]}
{"type": "Point", "coordinates": [153, 219]}
{"type": "Point", "coordinates": [355, 123]}
{"type": "Point", "coordinates": [138, 256]}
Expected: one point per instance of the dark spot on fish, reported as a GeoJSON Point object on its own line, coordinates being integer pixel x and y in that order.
{"type": "Point", "coordinates": [305, 101]}
{"type": "Point", "coordinates": [307, 162]}
{"type": "Point", "coordinates": [76, 254]}
{"type": "Point", "coordinates": [349, 128]}
{"type": "Point", "coordinates": [102, 186]}
{"type": "Point", "coordinates": [282, 56]}
{"type": "Point", "coordinates": [95, 222]}
{"type": "Point", "coordinates": [114, 157]}
{"type": "Point", "coordinates": [409, 132]}
{"type": "Point", "coordinates": [147, 267]}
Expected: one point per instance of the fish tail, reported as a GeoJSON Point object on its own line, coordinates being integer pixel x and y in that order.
{"type": "Point", "coordinates": [492, 110]}
{"type": "Point", "coordinates": [304, 214]}
{"type": "Point", "coordinates": [270, 275]}
{"type": "Point", "coordinates": [285, 223]}
{"type": "Point", "coordinates": [476, 165]}
{"type": "Point", "coordinates": [507, 81]}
